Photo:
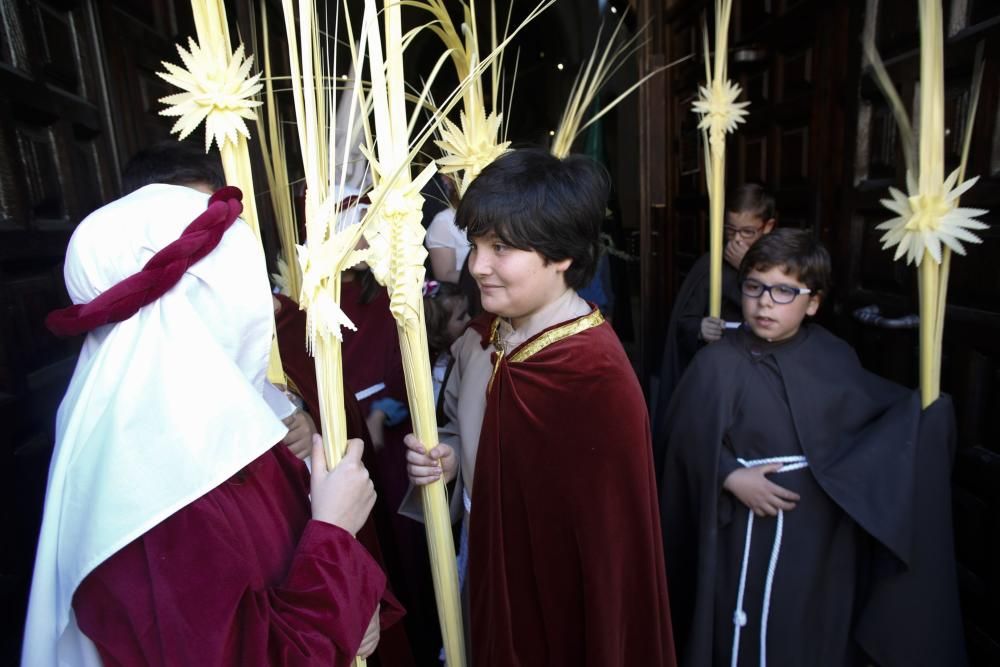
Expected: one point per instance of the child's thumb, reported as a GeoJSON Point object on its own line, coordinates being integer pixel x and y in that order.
{"type": "Point", "coordinates": [318, 454]}
{"type": "Point", "coordinates": [355, 448]}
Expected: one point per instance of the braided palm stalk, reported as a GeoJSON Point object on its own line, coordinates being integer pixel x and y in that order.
{"type": "Point", "coordinates": [720, 114]}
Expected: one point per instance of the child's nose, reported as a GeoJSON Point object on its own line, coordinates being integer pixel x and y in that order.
{"type": "Point", "coordinates": [478, 266]}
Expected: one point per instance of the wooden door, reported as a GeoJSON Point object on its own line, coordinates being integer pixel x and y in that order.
{"type": "Point", "coordinates": [971, 355]}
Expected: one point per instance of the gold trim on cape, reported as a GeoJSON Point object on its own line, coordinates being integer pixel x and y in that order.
{"type": "Point", "coordinates": [526, 351]}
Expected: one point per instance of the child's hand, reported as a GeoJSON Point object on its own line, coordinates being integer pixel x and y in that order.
{"type": "Point", "coordinates": [345, 495]}
{"type": "Point", "coordinates": [300, 432]}
{"type": "Point", "coordinates": [712, 328]}
{"type": "Point", "coordinates": [734, 251]}
{"type": "Point", "coordinates": [424, 467]}
{"type": "Point", "coordinates": [757, 492]}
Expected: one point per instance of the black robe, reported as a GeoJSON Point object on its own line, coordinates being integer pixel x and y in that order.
{"type": "Point", "coordinates": [866, 564]}
{"type": "Point", "coordinates": [683, 338]}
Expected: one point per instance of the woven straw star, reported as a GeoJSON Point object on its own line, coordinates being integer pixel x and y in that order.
{"type": "Point", "coordinates": [925, 222]}
{"type": "Point", "coordinates": [471, 147]}
{"type": "Point", "coordinates": [720, 112]}
{"type": "Point", "coordinates": [221, 94]}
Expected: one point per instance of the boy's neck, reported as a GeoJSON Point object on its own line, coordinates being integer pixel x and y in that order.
{"type": "Point", "coordinates": [566, 306]}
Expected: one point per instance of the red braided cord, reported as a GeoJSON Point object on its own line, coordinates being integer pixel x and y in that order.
{"type": "Point", "coordinates": [161, 272]}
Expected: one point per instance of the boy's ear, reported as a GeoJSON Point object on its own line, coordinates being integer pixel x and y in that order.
{"type": "Point", "coordinates": [768, 226]}
{"type": "Point", "coordinates": [814, 301]}
{"type": "Point", "coordinates": [562, 266]}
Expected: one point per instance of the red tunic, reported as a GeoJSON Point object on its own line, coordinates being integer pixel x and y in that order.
{"type": "Point", "coordinates": [241, 576]}
{"type": "Point", "coordinates": [565, 560]}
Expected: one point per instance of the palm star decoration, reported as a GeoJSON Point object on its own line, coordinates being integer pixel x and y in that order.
{"type": "Point", "coordinates": [926, 221]}
{"type": "Point", "coordinates": [720, 112]}
{"type": "Point", "coordinates": [469, 148]}
{"type": "Point", "coordinates": [221, 94]}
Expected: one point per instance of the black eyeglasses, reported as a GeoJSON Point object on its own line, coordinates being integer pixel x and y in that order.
{"type": "Point", "coordinates": [746, 233]}
{"type": "Point", "coordinates": [779, 293]}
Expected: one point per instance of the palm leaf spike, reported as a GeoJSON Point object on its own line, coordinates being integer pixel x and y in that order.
{"type": "Point", "coordinates": [928, 223]}
{"type": "Point", "coordinates": [396, 261]}
{"type": "Point", "coordinates": [272, 144]}
{"type": "Point", "coordinates": [591, 79]}
{"type": "Point", "coordinates": [218, 89]}
{"type": "Point", "coordinates": [332, 231]}
{"type": "Point", "coordinates": [477, 139]}
{"type": "Point", "coordinates": [720, 115]}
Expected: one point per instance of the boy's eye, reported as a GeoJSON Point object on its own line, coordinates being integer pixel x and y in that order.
{"type": "Point", "coordinates": [785, 291]}
{"type": "Point", "coordinates": [499, 247]}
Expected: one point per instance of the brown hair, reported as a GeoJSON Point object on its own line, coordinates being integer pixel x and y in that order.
{"type": "Point", "coordinates": [797, 252]}
{"type": "Point", "coordinates": [751, 198]}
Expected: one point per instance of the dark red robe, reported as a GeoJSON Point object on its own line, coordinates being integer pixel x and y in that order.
{"type": "Point", "coordinates": [565, 561]}
{"type": "Point", "coordinates": [241, 576]}
{"type": "Point", "coordinates": [377, 534]}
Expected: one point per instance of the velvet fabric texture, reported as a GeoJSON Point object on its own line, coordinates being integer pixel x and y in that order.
{"type": "Point", "coordinates": [242, 576]}
{"type": "Point", "coordinates": [565, 561]}
{"type": "Point", "coordinates": [855, 530]}
{"type": "Point", "coordinates": [376, 535]}
{"type": "Point", "coordinates": [160, 273]}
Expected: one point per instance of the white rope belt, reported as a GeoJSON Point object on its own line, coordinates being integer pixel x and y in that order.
{"type": "Point", "coordinates": [789, 464]}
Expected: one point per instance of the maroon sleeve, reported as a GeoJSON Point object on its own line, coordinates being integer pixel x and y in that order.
{"type": "Point", "coordinates": [183, 594]}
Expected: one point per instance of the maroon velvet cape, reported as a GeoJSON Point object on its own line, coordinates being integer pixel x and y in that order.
{"type": "Point", "coordinates": [376, 535]}
{"type": "Point", "coordinates": [241, 576]}
{"type": "Point", "coordinates": [565, 560]}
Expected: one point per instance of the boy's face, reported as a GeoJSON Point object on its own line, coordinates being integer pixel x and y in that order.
{"type": "Point", "coordinates": [514, 283]}
{"type": "Point", "coordinates": [774, 321]}
{"type": "Point", "coordinates": [742, 230]}
{"type": "Point", "coordinates": [746, 226]}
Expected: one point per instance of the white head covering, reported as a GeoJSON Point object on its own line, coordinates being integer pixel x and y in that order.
{"type": "Point", "coordinates": [162, 407]}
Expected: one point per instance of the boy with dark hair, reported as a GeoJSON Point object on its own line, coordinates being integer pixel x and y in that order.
{"type": "Point", "coordinates": [564, 565]}
{"type": "Point", "coordinates": [750, 214]}
{"type": "Point", "coordinates": [789, 492]}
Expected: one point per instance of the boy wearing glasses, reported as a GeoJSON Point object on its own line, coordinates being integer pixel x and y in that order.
{"type": "Point", "coordinates": [793, 531]}
{"type": "Point", "coordinates": [750, 214]}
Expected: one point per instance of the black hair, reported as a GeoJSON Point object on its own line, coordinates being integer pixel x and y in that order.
{"type": "Point", "coordinates": [797, 252]}
{"type": "Point", "coordinates": [438, 309]}
{"type": "Point", "coordinates": [532, 200]}
{"type": "Point", "coordinates": [751, 198]}
{"type": "Point", "coordinates": [174, 163]}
